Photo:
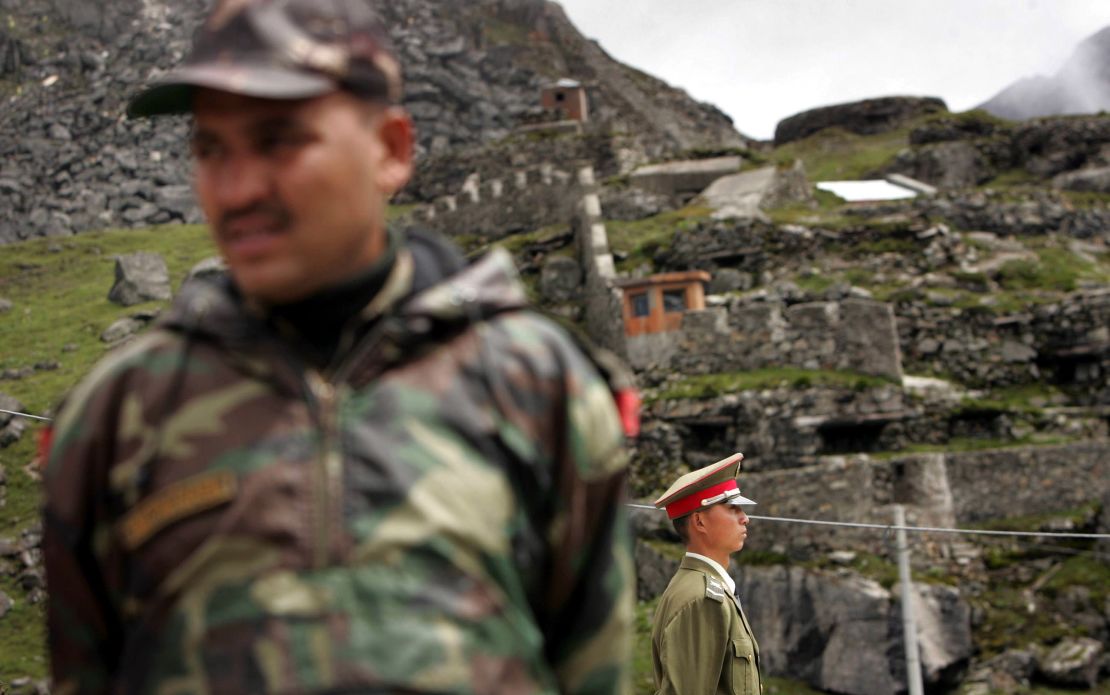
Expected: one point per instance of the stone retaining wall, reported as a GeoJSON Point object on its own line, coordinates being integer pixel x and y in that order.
{"type": "Point", "coordinates": [943, 490]}
{"type": "Point", "coordinates": [856, 335]}
{"type": "Point", "coordinates": [1068, 343]}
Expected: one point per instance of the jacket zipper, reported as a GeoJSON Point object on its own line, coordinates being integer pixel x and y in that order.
{"type": "Point", "coordinates": [328, 476]}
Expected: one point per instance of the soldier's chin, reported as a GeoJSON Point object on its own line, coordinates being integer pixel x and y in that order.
{"type": "Point", "coordinates": [268, 285]}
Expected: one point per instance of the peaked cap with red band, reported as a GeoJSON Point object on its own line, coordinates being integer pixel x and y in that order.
{"type": "Point", "coordinates": [714, 484]}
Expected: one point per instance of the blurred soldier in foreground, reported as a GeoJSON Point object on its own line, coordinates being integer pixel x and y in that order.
{"type": "Point", "coordinates": [701, 642]}
{"type": "Point", "coordinates": [356, 464]}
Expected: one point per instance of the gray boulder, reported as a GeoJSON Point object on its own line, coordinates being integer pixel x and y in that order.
{"type": "Point", "coordinates": [730, 280]}
{"type": "Point", "coordinates": [1007, 673]}
{"type": "Point", "coordinates": [560, 279]}
{"type": "Point", "coordinates": [656, 562]}
{"type": "Point", "coordinates": [1075, 661]}
{"type": "Point", "coordinates": [126, 327]}
{"type": "Point", "coordinates": [11, 426]}
{"type": "Point", "coordinates": [140, 277]}
{"type": "Point", "coordinates": [5, 306]}
{"type": "Point", "coordinates": [813, 626]}
{"type": "Point", "coordinates": [1095, 180]}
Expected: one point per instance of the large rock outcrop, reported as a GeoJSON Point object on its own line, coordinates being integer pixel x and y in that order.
{"type": "Point", "coordinates": [69, 162]}
{"type": "Point", "coordinates": [844, 634]}
{"type": "Point", "coordinates": [867, 117]}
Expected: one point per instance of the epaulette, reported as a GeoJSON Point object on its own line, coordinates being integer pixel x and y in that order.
{"type": "Point", "coordinates": [714, 589]}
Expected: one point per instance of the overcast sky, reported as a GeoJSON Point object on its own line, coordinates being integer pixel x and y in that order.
{"type": "Point", "coordinates": [763, 60]}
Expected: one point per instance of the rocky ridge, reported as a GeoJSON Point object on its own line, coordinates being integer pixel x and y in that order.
{"type": "Point", "coordinates": [1081, 86]}
{"type": "Point", "coordinates": [70, 161]}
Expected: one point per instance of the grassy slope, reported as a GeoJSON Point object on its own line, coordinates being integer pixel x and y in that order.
{"type": "Point", "coordinates": [59, 289]}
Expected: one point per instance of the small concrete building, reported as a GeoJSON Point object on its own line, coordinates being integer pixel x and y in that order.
{"type": "Point", "coordinates": [656, 304]}
{"type": "Point", "coordinates": [567, 97]}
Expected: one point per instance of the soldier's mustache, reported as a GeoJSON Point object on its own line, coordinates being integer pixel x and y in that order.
{"type": "Point", "coordinates": [278, 218]}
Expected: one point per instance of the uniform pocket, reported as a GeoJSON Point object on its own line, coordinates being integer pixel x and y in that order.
{"type": "Point", "coordinates": [744, 678]}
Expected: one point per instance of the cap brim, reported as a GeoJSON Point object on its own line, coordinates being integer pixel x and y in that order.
{"type": "Point", "coordinates": [737, 500]}
{"type": "Point", "coordinates": [173, 94]}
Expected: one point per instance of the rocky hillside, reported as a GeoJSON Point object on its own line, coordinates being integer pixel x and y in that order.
{"type": "Point", "coordinates": [1081, 86]}
{"type": "Point", "coordinates": [69, 162]}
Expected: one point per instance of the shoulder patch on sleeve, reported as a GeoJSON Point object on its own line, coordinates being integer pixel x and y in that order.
{"type": "Point", "coordinates": [714, 589]}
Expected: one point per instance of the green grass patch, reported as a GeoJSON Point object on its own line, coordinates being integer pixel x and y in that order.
{"type": "Point", "coordinates": [643, 675]}
{"type": "Point", "coordinates": [815, 284]}
{"type": "Point", "coordinates": [837, 155]}
{"type": "Point", "coordinates": [1005, 615]}
{"type": "Point", "coordinates": [60, 301]}
{"type": "Point", "coordinates": [1082, 570]}
{"type": "Point", "coordinates": [517, 242]}
{"type": "Point", "coordinates": [1086, 200]}
{"type": "Point", "coordinates": [670, 550]}
{"type": "Point", "coordinates": [714, 385]}
{"type": "Point", "coordinates": [640, 240]}
{"type": "Point", "coordinates": [1055, 269]}
{"type": "Point", "coordinates": [1078, 517]}
{"type": "Point", "coordinates": [501, 33]}
{"type": "Point", "coordinates": [22, 636]}
{"type": "Point", "coordinates": [958, 445]}
{"type": "Point", "coordinates": [1013, 179]}
{"type": "Point", "coordinates": [1023, 398]}
{"type": "Point", "coordinates": [397, 212]}
{"type": "Point", "coordinates": [59, 291]}
{"type": "Point", "coordinates": [761, 558]}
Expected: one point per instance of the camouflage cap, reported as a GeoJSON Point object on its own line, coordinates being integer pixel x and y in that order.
{"type": "Point", "coordinates": [697, 490]}
{"type": "Point", "coordinates": [281, 49]}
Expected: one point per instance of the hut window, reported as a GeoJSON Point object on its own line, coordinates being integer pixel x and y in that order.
{"type": "Point", "coordinates": [640, 305]}
{"type": "Point", "coordinates": [674, 301]}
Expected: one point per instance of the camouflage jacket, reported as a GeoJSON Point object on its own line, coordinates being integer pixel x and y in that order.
{"type": "Point", "coordinates": [441, 512]}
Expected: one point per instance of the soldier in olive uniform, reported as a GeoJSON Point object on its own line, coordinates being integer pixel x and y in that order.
{"type": "Point", "coordinates": [701, 641]}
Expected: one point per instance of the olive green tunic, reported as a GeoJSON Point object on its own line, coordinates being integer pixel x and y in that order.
{"type": "Point", "coordinates": [701, 641]}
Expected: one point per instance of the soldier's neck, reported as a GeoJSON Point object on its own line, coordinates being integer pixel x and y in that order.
{"type": "Point", "coordinates": [715, 555]}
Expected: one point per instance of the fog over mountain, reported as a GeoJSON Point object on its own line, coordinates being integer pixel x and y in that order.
{"type": "Point", "coordinates": [1081, 86]}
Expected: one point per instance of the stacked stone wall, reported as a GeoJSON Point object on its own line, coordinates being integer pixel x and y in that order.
{"type": "Point", "coordinates": [852, 335]}
{"type": "Point", "coordinates": [1067, 343]}
{"type": "Point", "coordinates": [523, 200]}
{"type": "Point", "coordinates": [1022, 482]}
{"type": "Point", "coordinates": [938, 490]}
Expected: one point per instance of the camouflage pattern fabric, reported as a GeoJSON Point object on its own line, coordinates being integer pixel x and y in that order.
{"type": "Point", "coordinates": [441, 512]}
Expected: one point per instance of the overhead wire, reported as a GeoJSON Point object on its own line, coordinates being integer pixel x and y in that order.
{"type": "Point", "coordinates": [916, 529]}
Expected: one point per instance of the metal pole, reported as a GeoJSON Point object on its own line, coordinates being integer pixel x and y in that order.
{"type": "Point", "coordinates": [909, 627]}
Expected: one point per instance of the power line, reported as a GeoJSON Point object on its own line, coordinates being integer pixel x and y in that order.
{"type": "Point", "coordinates": [26, 415]}
{"type": "Point", "coordinates": [919, 529]}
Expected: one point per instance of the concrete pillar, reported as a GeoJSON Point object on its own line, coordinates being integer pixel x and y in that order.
{"type": "Point", "coordinates": [520, 179]}
{"type": "Point", "coordinates": [470, 196]}
{"type": "Point", "coordinates": [493, 189]}
{"type": "Point", "coordinates": [586, 177]}
{"type": "Point", "coordinates": [546, 171]}
{"type": "Point", "coordinates": [599, 239]}
{"type": "Point", "coordinates": [591, 206]}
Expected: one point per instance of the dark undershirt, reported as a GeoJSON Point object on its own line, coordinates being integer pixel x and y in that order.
{"type": "Point", "coordinates": [318, 321]}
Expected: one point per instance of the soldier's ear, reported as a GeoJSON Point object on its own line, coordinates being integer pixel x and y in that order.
{"type": "Point", "coordinates": [696, 522]}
